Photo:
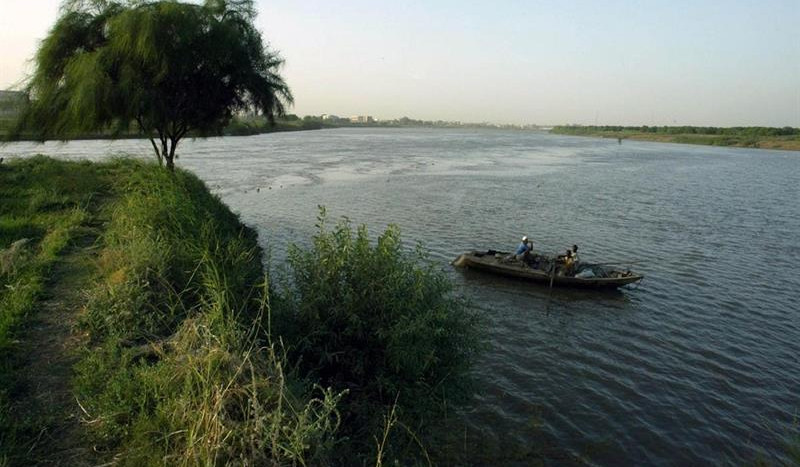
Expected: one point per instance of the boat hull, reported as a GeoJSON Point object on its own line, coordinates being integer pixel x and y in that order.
{"type": "Point", "coordinates": [495, 262]}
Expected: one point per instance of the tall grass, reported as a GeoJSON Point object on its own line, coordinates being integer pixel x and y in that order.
{"type": "Point", "coordinates": [24, 267]}
{"type": "Point", "coordinates": [44, 204]}
{"type": "Point", "coordinates": [192, 357]}
{"type": "Point", "coordinates": [382, 323]}
{"type": "Point", "coordinates": [180, 369]}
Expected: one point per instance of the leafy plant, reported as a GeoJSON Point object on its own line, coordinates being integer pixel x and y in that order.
{"type": "Point", "coordinates": [179, 369]}
{"type": "Point", "coordinates": [379, 322]}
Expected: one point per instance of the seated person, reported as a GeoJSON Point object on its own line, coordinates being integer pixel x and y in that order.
{"type": "Point", "coordinates": [567, 261]}
{"type": "Point", "coordinates": [524, 249]}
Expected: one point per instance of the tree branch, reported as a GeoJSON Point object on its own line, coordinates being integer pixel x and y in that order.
{"type": "Point", "coordinates": [149, 134]}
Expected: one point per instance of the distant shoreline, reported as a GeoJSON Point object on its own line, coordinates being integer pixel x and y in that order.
{"type": "Point", "coordinates": [745, 137]}
{"type": "Point", "coordinates": [252, 127]}
{"type": "Point", "coordinates": [278, 128]}
{"type": "Point", "coordinates": [786, 139]}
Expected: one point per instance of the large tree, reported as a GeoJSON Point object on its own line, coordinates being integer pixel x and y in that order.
{"type": "Point", "coordinates": [166, 67]}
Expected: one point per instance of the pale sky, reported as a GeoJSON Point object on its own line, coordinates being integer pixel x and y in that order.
{"type": "Point", "coordinates": [720, 63]}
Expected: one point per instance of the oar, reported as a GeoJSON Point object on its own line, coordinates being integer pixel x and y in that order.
{"type": "Point", "coordinates": [552, 276]}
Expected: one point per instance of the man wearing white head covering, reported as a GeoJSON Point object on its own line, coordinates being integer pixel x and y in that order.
{"type": "Point", "coordinates": [524, 248]}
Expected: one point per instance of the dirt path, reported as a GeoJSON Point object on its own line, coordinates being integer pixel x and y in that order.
{"type": "Point", "coordinates": [43, 401]}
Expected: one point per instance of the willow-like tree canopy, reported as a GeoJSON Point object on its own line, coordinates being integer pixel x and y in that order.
{"type": "Point", "coordinates": [168, 67]}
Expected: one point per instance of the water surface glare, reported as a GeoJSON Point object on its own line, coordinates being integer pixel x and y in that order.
{"type": "Point", "coordinates": [698, 365]}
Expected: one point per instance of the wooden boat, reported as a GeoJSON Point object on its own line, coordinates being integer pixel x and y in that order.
{"type": "Point", "coordinates": [540, 269]}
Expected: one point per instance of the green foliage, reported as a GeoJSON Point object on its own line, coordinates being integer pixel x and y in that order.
{"type": "Point", "coordinates": [179, 369]}
{"type": "Point", "coordinates": [758, 137]}
{"type": "Point", "coordinates": [44, 203]}
{"type": "Point", "coordinates": [379, 322]}
{"type": "Point", "coordinates": [155, 238]}
{"type": "Point", "coordinates": [243, 126]}
{"type": "Point", "coordinates": [169, 67]}
{"type": "Point", "coordinates": [180, 365]}
{"type": "Point", "coordinates": [752, 132]}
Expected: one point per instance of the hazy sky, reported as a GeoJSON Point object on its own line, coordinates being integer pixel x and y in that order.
{"type": "Point", "coordinates": [613, 62]}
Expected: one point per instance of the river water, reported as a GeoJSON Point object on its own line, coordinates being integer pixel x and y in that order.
{"type": "Point", "coordinates": [697, 365]}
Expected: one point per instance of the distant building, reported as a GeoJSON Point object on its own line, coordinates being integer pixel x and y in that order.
{"type": "Point", "coordinates": [11, 103]}
{"type": "Point", "coordinates": [330, 117]}
{"type": "Point", "coordinates": [362, 119]}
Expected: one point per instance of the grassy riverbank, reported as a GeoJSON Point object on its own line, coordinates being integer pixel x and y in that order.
{"type": "Point", "coordinates": [45, 209]}
{"type": "Point", "coordinates": [174, 347]}
{"type": "Point", "coordinates": [752, 137]}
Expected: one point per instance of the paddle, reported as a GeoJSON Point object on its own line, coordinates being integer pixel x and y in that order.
{"type": "Point", "coordinates": [550, 292]}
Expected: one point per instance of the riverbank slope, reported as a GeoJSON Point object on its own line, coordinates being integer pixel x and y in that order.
{"type": "Point", "coordinates": [138, 327]}
{"type": "Point", "coordinates": [132, 308]}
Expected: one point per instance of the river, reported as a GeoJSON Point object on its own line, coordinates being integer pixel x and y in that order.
{"type": "Point", "coordinates": [699, 364]}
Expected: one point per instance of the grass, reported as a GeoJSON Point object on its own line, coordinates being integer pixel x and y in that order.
{"type": "Point", "coordinates": [177, 367]}
{"type": "Point", "coordinates": [752, 137]}
{"type": "Point", "coordinates": [190, 355]}
{"type": "Point", "coordinates": [180, 368]}
{"type": "Point", "coordinates": [383, 324]}
{"type": "Point", "coordinates": [44, 205]}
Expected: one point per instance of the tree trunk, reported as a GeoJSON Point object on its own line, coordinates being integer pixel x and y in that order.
{"type": "Point", "coordinates": [158, 153]}
{"type": "Point", "coordinates": [173, 143]}
{"type": "Point", "coordinates": [149, 132]}
{"type": "Point", "coordinates": [164, 152]}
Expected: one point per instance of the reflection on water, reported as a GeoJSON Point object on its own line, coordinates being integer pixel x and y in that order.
{"type": "Point", "coordinates": [698, 365]}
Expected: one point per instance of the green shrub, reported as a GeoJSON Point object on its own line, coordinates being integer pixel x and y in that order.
{"type": "Point", "coordinates": [380, 323]}
{"type": "Point", "coordinates": [209, 395]}
{"type": "Point", "coordinates": [179, 369]}
{"type": "Point", "coordinates": [180, 366]}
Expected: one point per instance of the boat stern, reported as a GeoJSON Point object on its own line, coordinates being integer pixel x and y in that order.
{"type": "Point", "coordinates": [461, 261]}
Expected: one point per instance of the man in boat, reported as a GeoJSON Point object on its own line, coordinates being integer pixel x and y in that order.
{"type": "Point", "coordinates": [524, 249]}
{"type": "Point", "coordinates": [568, 262]}
{"type": "Point", "coordinates": [564, 263]}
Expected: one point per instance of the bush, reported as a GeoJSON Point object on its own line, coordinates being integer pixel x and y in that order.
{"type": "Point", "coordinates": [180, 366]}
{"type": "Point", "coordinates": [378, 322]}
{"type": "Point", "coordinates": [179, 369]}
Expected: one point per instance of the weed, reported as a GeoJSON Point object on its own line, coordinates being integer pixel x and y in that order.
{"type": "Point", "coordinates": [43, 207]}
{"type": "Point", "coordinates": [184, 361]}
{"type": "Point", "coordinates": [180, 370]}
{"type": "Point", "coordinates": [379, 322]}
